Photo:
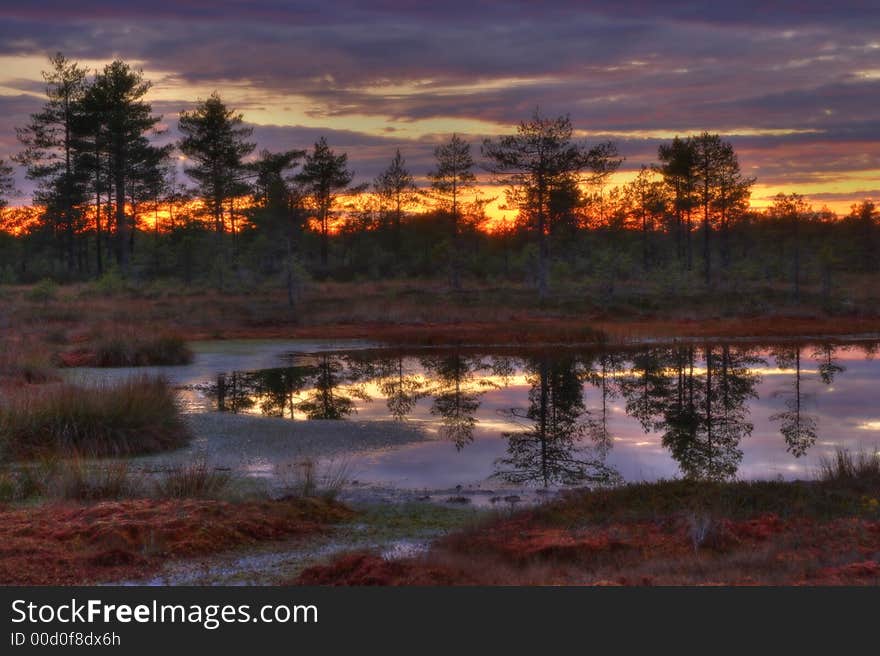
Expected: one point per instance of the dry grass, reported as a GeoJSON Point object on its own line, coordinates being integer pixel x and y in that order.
{"type": "Point", "coordinates": [846, 467]}
{"type": "Point", "coordinates": [85, 480]}
{"type": "Point", "coordinates": [137, 416]}
{"type": "Point", "coordinates": [138, 350]}
{"type": "Point", "coordinates": [196, 480]}
{"type": "Point", "coordinates": [74, 479]}
{"type": "Point", "coordinates": [304, 478]}
{"type": "Point", "coordinates": [25, 361]}
{"type": "Point", "coordinates": [78, 480]}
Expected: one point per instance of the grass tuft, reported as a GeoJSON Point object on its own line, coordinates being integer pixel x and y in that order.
{"type": "Point", "coordinates": [196, 480]}
{"type": "Point", "coordinates": [137, 416]}
{"type": "Point", "coordinates": [81, 481]}
{"type": "Point", "coordinates": [847, 467]}
{"type": "Point", "coordinates": [304, 478]}
{"type": "Point", "coordinates": [132, 350]}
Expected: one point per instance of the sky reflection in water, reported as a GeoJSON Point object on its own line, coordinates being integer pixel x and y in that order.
{"type": "Point", "coordinates": [566, 417]}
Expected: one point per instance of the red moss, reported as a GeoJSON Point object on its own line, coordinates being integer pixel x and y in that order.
{"type": "Point", "coordinates": [520, 540]}
{"type": "Point", "coordinates": [760, 528]}
{"type": "Point", "coordinates": [520, 550]}
{"type": "Point", "coordinates": [867, 571]}
{"type": "Point", "coordinates": [364, 568]}
{"type": "Point", "coordinates": [80, 357]}
{"type": "Point", "coordinates": [66, 545]}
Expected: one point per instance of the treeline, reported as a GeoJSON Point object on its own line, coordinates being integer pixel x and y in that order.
{"type": "Point", "coordinates": [108, 201]}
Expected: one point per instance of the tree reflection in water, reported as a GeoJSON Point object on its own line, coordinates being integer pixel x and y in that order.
{"type": "Point", "coordinates": [457, 385]}
{"type": "Point", "coordinates": [325, 389]}
{"type": "Point", "coordinates": [706, 416]}
{"type": "Point", "coordinates": [550, 449]}
{"type": "Point", "coordinates": [694, 397]}
{"type": "Point", "coordinates": [602, 375]}
{"type": "Point", "coordinates": [402, 390]}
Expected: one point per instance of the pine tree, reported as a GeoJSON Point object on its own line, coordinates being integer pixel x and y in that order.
{"type": "Point", "coordinates": [449, 181]}
{"type": "Point", "coordinates": [117, 95]}
{"type": "Point", "coordinates": [396, 189]}
{"type": "Point", "coordinates": [324, 176]}
{"type": "Point", "coordinates": [50, 149]}
{"type": "Point", "coordinates": [7, 184]}
{"type": "Point", "coordinates": [535, 160]}
{"type": "Point", "coordinates": [216, 142]}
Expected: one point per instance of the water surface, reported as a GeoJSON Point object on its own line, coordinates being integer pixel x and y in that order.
{"type": "Point", "coordinates": [560, 416]}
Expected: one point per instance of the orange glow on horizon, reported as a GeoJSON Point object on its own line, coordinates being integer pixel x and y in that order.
{"type": "Point", "coordinates": [162, 217]}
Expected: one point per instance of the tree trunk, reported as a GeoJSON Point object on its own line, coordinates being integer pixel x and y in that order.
{"type": "Point", "coordinates": [122, 237]}
{"type": "Point", "coordinates": [325, 238]}
{"type": "Point", "coordinates": [707, 261]}
{"type": "Point", "coordinates": [797, 260]}
{"type": "Point", "coordinates": [291, 300]}
{"type": "Point", "coordinates": [99, 259]}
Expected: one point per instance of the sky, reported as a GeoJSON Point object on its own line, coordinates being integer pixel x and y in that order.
{"type": "Point", "coordinates": [794, 85]}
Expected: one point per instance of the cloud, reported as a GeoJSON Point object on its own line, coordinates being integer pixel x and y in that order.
{"type": "Point", "coordinates": [380, 74]}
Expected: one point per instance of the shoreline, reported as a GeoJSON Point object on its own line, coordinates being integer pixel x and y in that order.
{"type": "Point", "coordinates": [563, 332]}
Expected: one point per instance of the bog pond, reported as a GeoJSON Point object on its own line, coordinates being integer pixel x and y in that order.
{"type": "Point", "coordinates": [489, 419]}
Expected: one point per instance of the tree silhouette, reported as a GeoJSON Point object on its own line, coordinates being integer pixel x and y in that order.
{"type": "Point", "coordinates": [277, 209]}
{"type": "Point", "coordinates": [539, 158]}
{"type": "Point", "coordinates": [234, 392]}
{"type": "Point", "coordinates": [602, 376]}
{"type": "Point", "coordinates": [646, 199]}
{"type": "Point", "coordinates": [215, 141]}
{"type": "Point", "coordinates": [719, 185]}
{"type": "Point", "coordinates": [793, 210]}
{"type": "Point", "coordinates": [397, 192]}
{"type": "Point", "coordinates": [51, 148]}
{"type": "Point", "coordinates": [402, 390]}
{"type": "Point", "coordinates": [118, 92]}
{"type": "Point", "coordinates": [452, 177]}
{"type": "Point", "coordinates": [7, 184]}
{"type": "Point", "coordinates": [866, 218]}
{"type": "Point", "coordinates": [678, 166]}
{"type": "Point", "coordinates": [829, 367]}
{"type": "Point", "coordinates": [277, 390]}
{"type": "Point", "coordinates": [324, 176]}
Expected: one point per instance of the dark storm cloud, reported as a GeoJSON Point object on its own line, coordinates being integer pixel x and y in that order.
{"type": "Point", "coordinates": [616, 67]}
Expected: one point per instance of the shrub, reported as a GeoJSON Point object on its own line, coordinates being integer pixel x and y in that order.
{"type": "Point", "coordinates": [142, 351]}
{"type": "Point", "coordinates": [195, 480]}
{"type": "Point", "coordinates": [8, 486]}
{"type": "Point", "coordinates": [8, 276]}
{"type": "Point", "coordinates": [43, 291]}
{"type": "Point", "coordinates": [137, 416]}
{"type": "Point", "coordinates": [110, 283]}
